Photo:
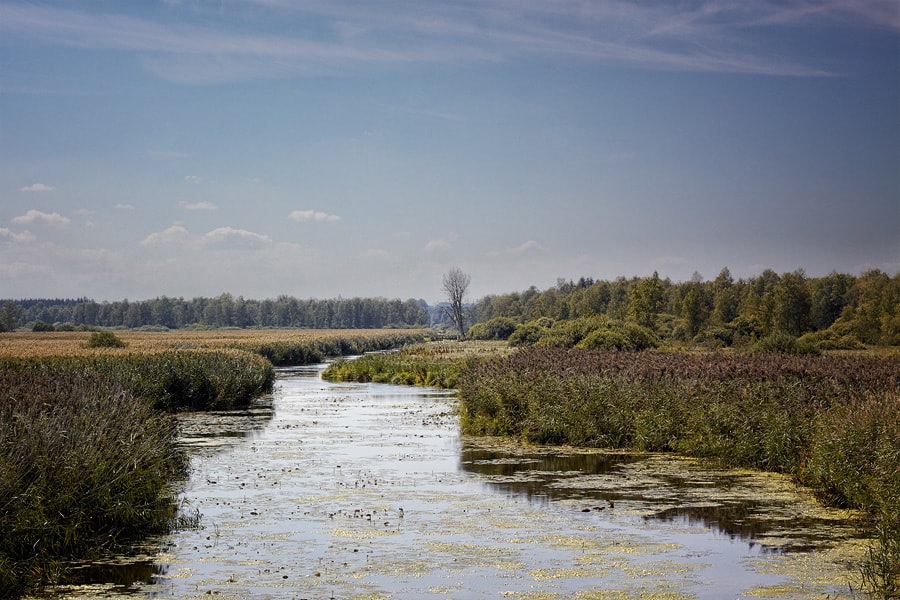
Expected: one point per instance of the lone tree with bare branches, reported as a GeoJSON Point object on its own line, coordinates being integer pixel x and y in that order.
{"type": "Point", "coordinates": [456, 283]}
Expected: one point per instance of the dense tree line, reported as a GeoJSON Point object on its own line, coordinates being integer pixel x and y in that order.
{"type": "Point", "coordinates": [225, 311]}
{"type": "Point", "coordinates": [834, 311]}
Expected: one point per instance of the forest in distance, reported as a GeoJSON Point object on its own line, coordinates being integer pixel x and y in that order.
{"type": "Point", "coordinates": [837, 311]}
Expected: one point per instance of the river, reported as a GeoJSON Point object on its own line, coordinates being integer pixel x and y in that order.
{"type": "Point", "coordinates": [368, 491]}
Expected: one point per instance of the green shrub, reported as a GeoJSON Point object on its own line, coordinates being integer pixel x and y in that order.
{"type": "Point", "coordinates": [104, 339]}
{"type": "Point", "coordinates": [498, 328]}
{"type": "Point", "coordinates": [40, 326]}
{"type": "Point", "coordinates": [784, 343]}
{"type": "Point", "coordinates": [526, 335]}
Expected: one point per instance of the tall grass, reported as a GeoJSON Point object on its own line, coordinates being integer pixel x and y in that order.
{"type": "Point", "coordinates": [434, 364]}
{"type": "Point", "coordinates": [306, 351]}
{"type": "Point", "coordinates": [83, 465]}
{"type": "Point", "coordinates": [833, 422]}
{"type": "Point", "coordinates": [87, 453]}
{"type": "Point", "coordinates": [171, 380]}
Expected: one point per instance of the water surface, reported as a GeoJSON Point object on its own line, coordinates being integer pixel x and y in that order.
{"type": "Point", "coordinates": [365, 491]}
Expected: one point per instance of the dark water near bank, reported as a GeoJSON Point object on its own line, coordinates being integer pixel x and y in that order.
{"type": "Point", "coordinates": [368, 491]}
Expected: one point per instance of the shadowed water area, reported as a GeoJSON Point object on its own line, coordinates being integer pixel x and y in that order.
{"type": "Point", "coordinates": [366, 491]}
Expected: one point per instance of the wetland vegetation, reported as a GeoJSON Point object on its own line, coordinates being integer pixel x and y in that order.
{"type": "Point", "coordinates": [831, 422]}
{"type": "Point", "coordinates": [88, 452]}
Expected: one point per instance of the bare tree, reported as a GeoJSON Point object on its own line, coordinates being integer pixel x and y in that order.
{"type": "Point", "coordinates": [456, 283]}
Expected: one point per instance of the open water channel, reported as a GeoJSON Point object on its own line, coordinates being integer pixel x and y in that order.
{"type": "Point", "coordinates": [368, 491]}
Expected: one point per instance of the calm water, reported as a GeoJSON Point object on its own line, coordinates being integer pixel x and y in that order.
{"type": "Point", "coordinates": [368, 491]}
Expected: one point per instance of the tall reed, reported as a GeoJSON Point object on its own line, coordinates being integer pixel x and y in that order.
{"type": "Point", "coordinates": [83, 465]}
{"type": "Point", "coordinates": [833, 422]}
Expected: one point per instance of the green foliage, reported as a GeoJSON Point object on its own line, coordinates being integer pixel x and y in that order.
{"type": "Point", "coordinates": [173, 380]}
{"type": "Point", "coordinates": [719, 313]}
{"type": "Point", "coordinates": [104, 339]}
{"type": "Point", "coordinates": [831, 421]}
{"type": "Point", "coordinates": [40, 326]}
{"type": "Point", "coordinates": [498, 328]}
{"type": "Point", "coordinates": [785, 343]}
{"type": "Point", "coordinates": [84, 464]}
{"type": "Point", "coordinates": [10, 316]}
{"type": "Point", "coordinates": [405, 367]}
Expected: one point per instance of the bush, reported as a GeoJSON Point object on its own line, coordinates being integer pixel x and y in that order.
{"type": "Point", "coordinates": [529, 333]}
{"type": "Point", "coordinates": [40, 326]}
{"type": "Point", "coordinates": [104, 339]}
{"type": "Point", "coordinates": [498, 328]}
{"type": "Point", "coordinates": [784, 343]}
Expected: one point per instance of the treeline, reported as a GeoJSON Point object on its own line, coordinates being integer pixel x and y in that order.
{"type": "Point", "coordinates": [223, 311]}
{"type": "Point", "coordinates": [835, 311]}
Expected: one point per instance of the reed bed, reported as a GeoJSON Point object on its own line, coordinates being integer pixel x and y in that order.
{"type": "Point", "coordinates": [87, 449]}
{"type": "Point", "coordinates": [833, 422]}
{"type": "Point", "coordinates": [62, 343]}
{"type": "Point", "coordinates": [436, 364]}
{"type": "Point", "coordinates": [84, 465]}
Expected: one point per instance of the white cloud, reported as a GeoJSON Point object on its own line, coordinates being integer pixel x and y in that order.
{"type": "Point", "coordinates": [435, 245]}
{"type": "Point", "coordinates": [192, 178]}
{"type": "Point", "coordinates": [172, 235]}
{"type": "Point", "coordinates": [34, 216]}
{"type": "Point", "coordinates": [376, 254]}
{"type": "Point", "coordinates": [24, 237]}
{"type": "Point", "coordinates": [124, 206]}
{"type": "Point", "coordinates": [312, 215]}
{"type": "Point", "coordinates": [527, 248]}
{"type": "Point", "coordinates": [231, 235]}
{"type": "Point", "coordinates": [203, 205]}
{"type": "Point", "coordinates": [37, 187]}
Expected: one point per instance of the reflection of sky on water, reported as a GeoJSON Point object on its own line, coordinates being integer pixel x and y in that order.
{"type": "Point", "coordinates": [349, 490]}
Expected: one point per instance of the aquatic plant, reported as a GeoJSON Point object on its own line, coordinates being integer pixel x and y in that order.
{"type": "Point", "coordinates": [833, 422]}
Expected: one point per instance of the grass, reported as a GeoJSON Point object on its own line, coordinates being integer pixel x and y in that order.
{"type": "Point", "coordinates": [831, 421]}
{"type": "Point", "coordinates": [436, 364]}
{"type": "Point", "coordinates": [87, 447]}
{"type": "Point", "coordinates": [83, 465]}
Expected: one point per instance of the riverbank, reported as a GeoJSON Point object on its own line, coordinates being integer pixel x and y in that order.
{"type": "Point", "coordinates": [830, 422]}
{"type": "Point", "coordinates": [87, 448]}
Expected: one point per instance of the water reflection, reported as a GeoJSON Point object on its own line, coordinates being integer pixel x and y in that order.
{"type": "Point", "coordinates": [540, 476]}
{"type": "Point", "coordinates": [202, 431]}
{"type": "Point", "coordinates": [368, 490]}
{"type": "Point", "coordinates": [739, 505]}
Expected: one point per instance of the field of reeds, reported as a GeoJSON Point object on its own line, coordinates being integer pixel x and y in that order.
{"type": "Point", "coordinates": [87, 449]}
{"type": "Point", "coordinates": [83, 465]}
{"type": "Point", "coordinates": [436, 364]}
{"type": "Point", "coordinates": [833, 422]}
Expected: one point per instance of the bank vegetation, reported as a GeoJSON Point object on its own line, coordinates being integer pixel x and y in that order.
{"type": "Point", "coordinates": [88, 453]}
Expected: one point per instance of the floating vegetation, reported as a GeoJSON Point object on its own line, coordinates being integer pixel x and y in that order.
{"type": "Point", "coordinates": [830, 422]}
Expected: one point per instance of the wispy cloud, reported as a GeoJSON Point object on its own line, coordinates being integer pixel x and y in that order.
{"type": "Point", "coordinates": [36, 216]}
{"type": "Point", "coordinates": [312, 215]}
{"type": "Point", "coordinates": [702, 35]}
{"type": "Point", "coordinates": [37, 187]}
{"type": "Point", "coordinates": [525, 249]}
{"type": "Point", "coordinates": [24, 237]}
{"type": "Point", "coordinates": [235, 236]}
{"type": "Point", "coordinates": [442, 244]}
{"type": "Point", "coordinates": [173, 235]}
{"type": "Point", "coordinates": [203, 205]}
{"type": "Point", "coordinates": [122, 206]}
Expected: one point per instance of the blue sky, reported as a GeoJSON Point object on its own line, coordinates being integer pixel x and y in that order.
{"type": "Point", "coordinates": [324, 148]}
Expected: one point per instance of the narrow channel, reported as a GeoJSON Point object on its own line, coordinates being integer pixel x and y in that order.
{"type": "Point", "coordinates": [368, 491]}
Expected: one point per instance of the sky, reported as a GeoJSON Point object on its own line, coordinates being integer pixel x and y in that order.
{"type": "Point", "coordinates": [325, 148]}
